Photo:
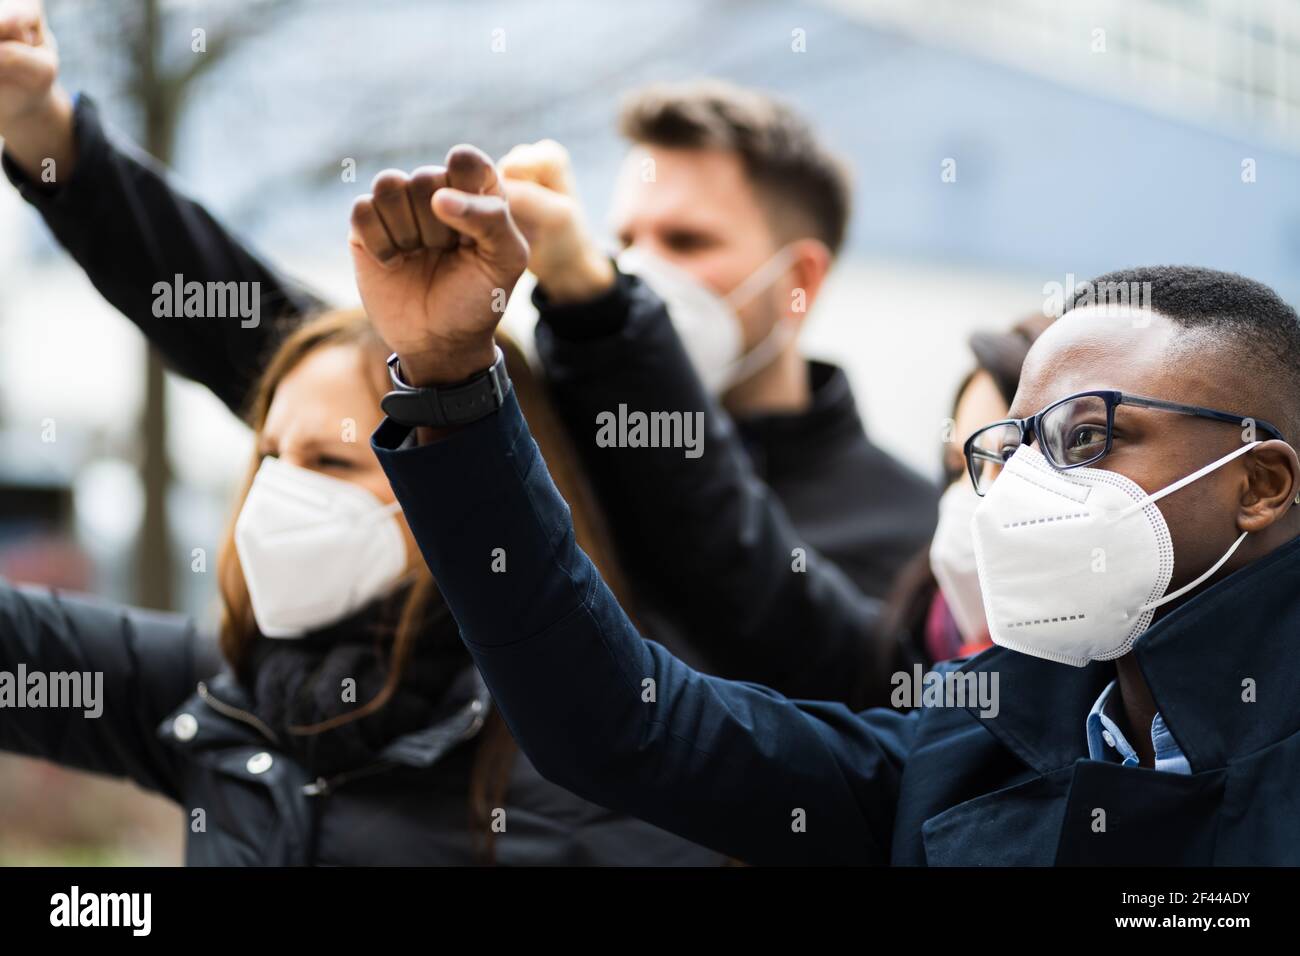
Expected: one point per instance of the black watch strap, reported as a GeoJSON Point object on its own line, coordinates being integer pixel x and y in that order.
{"type": "Point", "coordinates": [446, 405]}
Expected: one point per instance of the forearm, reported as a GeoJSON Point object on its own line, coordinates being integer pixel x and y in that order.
{"type": "Point", "coordinates": [597, 708]}
{"type": "Point", "coordinates": [134, 234]}
{"type": "Point", "coordinates": [109, 675]}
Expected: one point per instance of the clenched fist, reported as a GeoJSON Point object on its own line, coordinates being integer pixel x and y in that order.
{"type": "Point", "coordinates": [538, 181]}
{"type": "Point", "coordinates": [35, 114]}
{"type": "Point", "coordinates": [436, 255]}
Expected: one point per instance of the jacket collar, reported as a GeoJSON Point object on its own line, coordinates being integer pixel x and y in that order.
{"type": "Point", "coordinates": [1204, 662]}
{"type": "Point", "coordinates": [1223, 668]}
{"type": "Point", "coordinates": [468, 701]}
{"type": "Point", "coordinates": [788, 439]}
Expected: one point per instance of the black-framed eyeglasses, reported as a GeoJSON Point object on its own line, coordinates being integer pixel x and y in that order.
{"type": "Point", "coordinates": [1074, 432]}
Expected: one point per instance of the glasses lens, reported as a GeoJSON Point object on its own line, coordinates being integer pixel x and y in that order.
{"type": "Point", "coordinates": [1074, 432]}
{"type": "Point", "coordinates": [989, 449]}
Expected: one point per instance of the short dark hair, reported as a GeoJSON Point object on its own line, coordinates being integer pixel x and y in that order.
{"type": "Point", "coordinates": [1226, 311]}
{"type": "Point", "coordinates": [794, 174]}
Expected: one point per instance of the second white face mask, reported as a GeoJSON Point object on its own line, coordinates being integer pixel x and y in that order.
{"type": "Point", "coordinates": [952, 559]}
{"type": "Point", "coordinates": [314, 548]}
{"type": "Point", "coordinates": [1073, 564]}
{"type": "Point", "coordinates": [707, 322]}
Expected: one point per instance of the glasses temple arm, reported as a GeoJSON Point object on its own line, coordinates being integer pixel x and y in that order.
{"type": "Point", "coordinates": [1200, 412]}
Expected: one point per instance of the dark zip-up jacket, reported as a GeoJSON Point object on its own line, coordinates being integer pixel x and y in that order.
{"type": "Point", "coordinates": [176, 725]}
{"type": "Point", "coordinates": [768, 779]}
{"type": "Point", "coordinates": [724, 552]}
{"type": "Point", "coordinates": [851, 502]}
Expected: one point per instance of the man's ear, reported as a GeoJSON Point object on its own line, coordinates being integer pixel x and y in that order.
{"type": "Point", "coordinates": [1272, 485]}
{"type": "Point", "coordinates": [811, 262]}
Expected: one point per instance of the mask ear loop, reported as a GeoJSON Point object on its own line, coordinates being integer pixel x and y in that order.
{"type": "Point", "coordinates": [781, 333]}
{"type": "Point", "coordinates": [1181, 483]}
{"type": "Point", "coordinates": [1200, 580]}
{"type": "Point", "coordinates": [760, 278]}
{"type": "Point", "coordinates": [1184, 482]}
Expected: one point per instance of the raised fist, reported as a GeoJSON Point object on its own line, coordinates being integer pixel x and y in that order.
{"type": "Point", "coordinates": [29, 61]}
{"type": "Point", "coordinates": [436, 255]}
{"type": "Point", "coordinates": [538, 181]}
{"type": "Point", "coordinates": [35, 113]}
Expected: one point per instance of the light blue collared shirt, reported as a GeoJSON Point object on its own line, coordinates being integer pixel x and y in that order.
{"type": "Point", "coordinates": [1107, 742]}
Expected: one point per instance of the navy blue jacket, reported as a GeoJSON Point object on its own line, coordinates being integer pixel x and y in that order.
{"type": "Point", "coordinates": [766, 779]}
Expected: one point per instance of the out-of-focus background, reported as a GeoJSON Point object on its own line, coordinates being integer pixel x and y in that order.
{"type": "Point", "coordinates": [1084, 136]}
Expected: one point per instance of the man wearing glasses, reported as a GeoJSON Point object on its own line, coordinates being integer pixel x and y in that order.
{"type": "Point", "coordinates": [1139, 558]}
{"type": "Point", "coordinates": [1048, 538]}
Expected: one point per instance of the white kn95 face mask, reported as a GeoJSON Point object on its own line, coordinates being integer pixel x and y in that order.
{"type": "Point", "coordinates": [952, 559]}
{"type": "Point", "coordinates": [707, 323]}
{"type": "Point", "coordinates": [1073, 564]}
{"type": "Point", "coordinates": [314, 548]}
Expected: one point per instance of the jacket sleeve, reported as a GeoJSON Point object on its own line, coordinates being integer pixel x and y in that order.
{"type": "Point", "coordinates": [130, 668]}
{"type": "Point", "coordinates": [609, 715]}
{"type": "Point", "coordinates": [126, 225]}
{"type": "Point", "coordinates": [709, 535]}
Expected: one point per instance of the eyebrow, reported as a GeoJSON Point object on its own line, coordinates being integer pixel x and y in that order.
{"type": "Point", "coordinates": [307, 444]}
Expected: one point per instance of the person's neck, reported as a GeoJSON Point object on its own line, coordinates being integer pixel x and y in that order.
{"type": "Point", "coordinates": [1139, 707]}
{"type": "Point", "coordinates": [780, 387]}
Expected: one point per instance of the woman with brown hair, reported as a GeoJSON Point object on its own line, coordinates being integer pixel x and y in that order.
{"type": "Point", "coordinates": [350, 726]}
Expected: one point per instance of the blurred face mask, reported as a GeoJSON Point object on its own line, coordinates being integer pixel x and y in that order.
{"type": "Point", "coordinates": [314, 548]}
{"type": "Point", "coordinates": [952, 559]}
{"type": "Point", "coordinates": [707, 323]}
{"type": "Point", "coordinates": [1074, 564]}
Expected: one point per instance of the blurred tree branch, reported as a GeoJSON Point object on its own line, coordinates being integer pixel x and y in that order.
{"type": "Point", "coordinates": [161, 91]}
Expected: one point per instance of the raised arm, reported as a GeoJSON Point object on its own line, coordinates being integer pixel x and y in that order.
{"type": "Point", "coordinates": [708, 532]}
{"type": "Point", "coordinates": [616, 718]}
{"type": "Point", "coordinates": [132, 232]}
{"type": "Point", "coordinates": [705, 532]}
{"type": "Point", "coordinates": [107, 676]}
{"type": "Point", "coordinates": [599, 710]}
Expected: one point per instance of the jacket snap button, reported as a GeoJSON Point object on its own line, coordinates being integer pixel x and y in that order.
{"type": "Point", "coordinates": [184, 727]}
{"type": "Point", "coordinates": [259, 762]}
{"type": "Point", "coordinates": [1106, 736]}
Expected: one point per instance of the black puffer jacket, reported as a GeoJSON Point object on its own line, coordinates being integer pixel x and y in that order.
{"type": "Point", "coordinates": [247, 802]}
{"type": "Point", "coordinates": [405, 803]}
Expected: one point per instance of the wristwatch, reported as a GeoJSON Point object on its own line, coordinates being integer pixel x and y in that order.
{"type": "Point", "coordinates": [445, 405]}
